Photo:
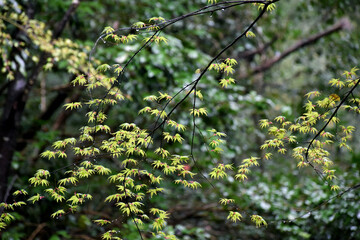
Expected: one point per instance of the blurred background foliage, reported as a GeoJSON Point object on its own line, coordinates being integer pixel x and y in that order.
{"type": "Point", "coordinates": [277, 190]}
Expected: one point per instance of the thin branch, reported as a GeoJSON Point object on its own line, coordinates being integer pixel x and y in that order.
{"type": "Point", "coordinates": [36, 231]}
{"type": "Point", "coordinates": [204, 10]}
{"type": "Point", "coordinates": [339, 195]}
{"type": "Point", "coordinates": [61, 25]}
{"type": "Point", "coordinates": [7, 193]}
{"type": "Point", "coordinates": [249, 54]}
{"type": "Point", "coordinates": [194, 119]}
{"type": "Point", "coordinates": [331, 117]}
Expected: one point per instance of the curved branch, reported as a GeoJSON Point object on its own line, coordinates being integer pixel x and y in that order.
{"type": "Point", "coordinates": [340, 25]}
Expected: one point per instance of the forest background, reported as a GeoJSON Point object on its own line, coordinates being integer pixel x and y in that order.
{"type": "Point", "coordinates": [296, 48]}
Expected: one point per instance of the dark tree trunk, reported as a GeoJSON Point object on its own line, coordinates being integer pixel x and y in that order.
{"type": "Point", "coordinates": [9, 125]}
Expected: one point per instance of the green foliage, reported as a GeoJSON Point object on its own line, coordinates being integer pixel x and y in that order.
{"type": "Point", "coordinates": [234, 216]}
{"type": "Point", "coordinates": [258, 220]}
{"type": "Point", "coordinates": [146, 162]}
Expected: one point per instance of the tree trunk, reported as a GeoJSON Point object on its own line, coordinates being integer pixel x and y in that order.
{"type": "Point", "coordinates": [9, 125]}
